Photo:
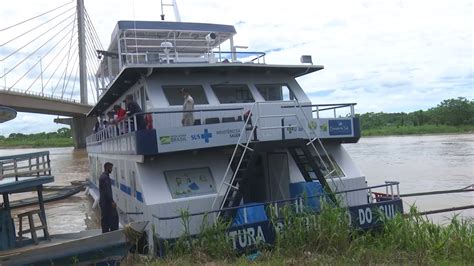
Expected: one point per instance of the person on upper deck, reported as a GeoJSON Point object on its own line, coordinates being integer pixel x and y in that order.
{"type": "Point", "coordinates": [132, 109]}
{"type": "Point", "coordinates": [188, 107]}
{"type": "Point", "coordinates": [119, 112]}
{"type": "Point", "coordinates": [108, 208]}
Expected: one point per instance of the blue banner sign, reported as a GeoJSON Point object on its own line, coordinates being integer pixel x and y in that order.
{"type": "Point", "coordinates": [371, 215]}
{"type": "Point", "coordinates": [340, 127]}
{"type": "Point", "coordinates": [249, 236]}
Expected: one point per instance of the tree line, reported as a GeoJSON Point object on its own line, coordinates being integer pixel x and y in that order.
{"type": "Point", "coordinates": [60, 133]}
{"type": "Point", "coordinates": [451, 112]}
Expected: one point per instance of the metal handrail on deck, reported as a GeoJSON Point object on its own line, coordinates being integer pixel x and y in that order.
{"type": "Point", "coordinates": [190, 57]}
{"type": "Point", "coordinates": [25, 165]}
{"type": "Point", "coordinates": [328, 106]}
{"type": "Point", "coordinates": [129, 124]}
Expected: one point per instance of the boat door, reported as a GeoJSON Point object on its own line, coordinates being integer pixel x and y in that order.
{"type": "Point", "coordinates": [278, 178]}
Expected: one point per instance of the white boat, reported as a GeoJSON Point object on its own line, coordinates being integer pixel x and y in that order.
{"type": "Point", "coordinates": [257, 138]}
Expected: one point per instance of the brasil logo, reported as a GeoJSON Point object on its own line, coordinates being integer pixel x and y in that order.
{"type": "Point", "coordinates": [165, 140]}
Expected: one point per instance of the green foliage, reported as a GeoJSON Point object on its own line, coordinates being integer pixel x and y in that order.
{"type": "Point", "coordinates": [327, 238]}
{"type": "Point", "coordinates": [60, 138]}
{"type": "Point", "coordinates": [452, 115]}
{"type": "Point", "coordinates": [211, 243]}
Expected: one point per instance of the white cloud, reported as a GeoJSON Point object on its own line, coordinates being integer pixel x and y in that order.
{"type": "Point", "coordinates": [392, 55]}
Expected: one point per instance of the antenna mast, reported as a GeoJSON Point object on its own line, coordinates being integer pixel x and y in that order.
{"type": "Point", "coordinates": [175, 9]}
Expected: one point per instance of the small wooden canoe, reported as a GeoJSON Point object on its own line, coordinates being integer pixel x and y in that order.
{"type": "Point", "coordinates": [53, 194]}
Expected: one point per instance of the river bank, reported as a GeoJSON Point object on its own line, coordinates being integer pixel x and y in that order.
{"type": "Point", "coordinates": [35, 143]}
{"type": "Point", "coordinates": [416, 130]}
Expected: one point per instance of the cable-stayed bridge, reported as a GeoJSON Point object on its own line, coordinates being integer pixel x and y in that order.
{"type": "Point", "coordinates": [49, 63]}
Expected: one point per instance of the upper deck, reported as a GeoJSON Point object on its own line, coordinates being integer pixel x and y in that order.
{"type": "Point", "coordinates": [152, 61]}
{"type": "Point", "coordinates": [143, 43]}
{"type": "Point", "coordinates": [257, 122]}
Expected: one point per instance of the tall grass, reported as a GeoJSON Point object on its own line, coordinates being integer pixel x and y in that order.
{"type": "Point", "coordinates": [211, 243]}
{"type": "Point", "coordinates": [327, 238]}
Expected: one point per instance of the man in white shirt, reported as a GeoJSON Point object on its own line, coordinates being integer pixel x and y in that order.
{"type": "Point", "coordinates": [188, 105]}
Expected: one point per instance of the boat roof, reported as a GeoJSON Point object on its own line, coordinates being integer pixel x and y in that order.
{"type": "Point", "coordinates": [143, 34]}
{"type": "Point", "coordinates": [9, 185]}
{"type": "Point", "coordinates": [131, 74]}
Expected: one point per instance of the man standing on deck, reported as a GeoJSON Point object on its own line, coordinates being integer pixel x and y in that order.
{"type": "Point", "coordinates": [109, 216]}
{"type": "Point", "coordinates": [132, 109]}
{"type": "Point", "coordinates": [188, 105]}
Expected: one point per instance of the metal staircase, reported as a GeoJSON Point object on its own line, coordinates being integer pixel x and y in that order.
{"type": "Point", "coordinates": [306, 163]}
{"type": "Point", "coordinates": [244, 156]}
{"type": "Point", "coordinates": [243, 171]}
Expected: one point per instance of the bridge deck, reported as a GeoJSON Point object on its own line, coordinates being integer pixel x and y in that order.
{"type": "Point", "coordinates": [23, 102]}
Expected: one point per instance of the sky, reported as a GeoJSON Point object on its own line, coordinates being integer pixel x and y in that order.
{"type": "Point", "coordinates": [390, 55]}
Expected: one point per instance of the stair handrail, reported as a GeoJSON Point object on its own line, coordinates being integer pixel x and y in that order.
{"type": "Point", "coordinates": [296, 103]}
{"type": "Point", "coordinates": [242, 132]}
{"type": "Point", "coordinates": [311, 142]}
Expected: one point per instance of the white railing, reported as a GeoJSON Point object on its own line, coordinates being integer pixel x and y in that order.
{"type": "Point", "coordinates": [164, 119]}
{"type": "Point", "coordinates": [135, 58]}
{"type": "Point", "coordinates": [321, 110]}
{"type": "Point", "coordinates": [25, 165]}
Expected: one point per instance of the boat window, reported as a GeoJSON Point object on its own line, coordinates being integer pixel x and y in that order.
{"type": "Point", "coordinates": [275, 92]}
{"type": "Point", "coordinates": [327, 168]}
{"type": "Point", "coordinates": [174, 97]}
{"type": "Point", "coordinates": [233, 93]}
{"type": "Point", "coordinates": [186, 183]}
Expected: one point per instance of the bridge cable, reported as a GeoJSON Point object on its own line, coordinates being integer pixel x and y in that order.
{"type": "Point", "coordinates": [24, 21]}
{"type": "Point", "coordinates": [69, 53]}
{"type": "Point", "coordinates": [34, 53]}
{"type": "Point", "coordinates": [49, 64]}
{"type": "Point", "coordinates": [90, 50]}
{"type": "Point", "coordinates": [52, 75]}
{"type": "Point", "coordinates": [35, 39]}
{"type": "Point", "coordinates": [59, 65]}
{"type": "Point", "coordinates": [28, 56]}
{"type": "Point", "coordinates": [65, 69]}
{"type": "Point", "coordinates": [92, 89]}
{"type": "Point", "coordinates": [75, 66]}
{"type": "Point", "coordinates": [34, 28]}
{"type": "Point", "coordinates": [91, 64]}
{"type": "Point", "coordinates": [93, 30]}
{"type": "Point", "coordinates": [74, 83]}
